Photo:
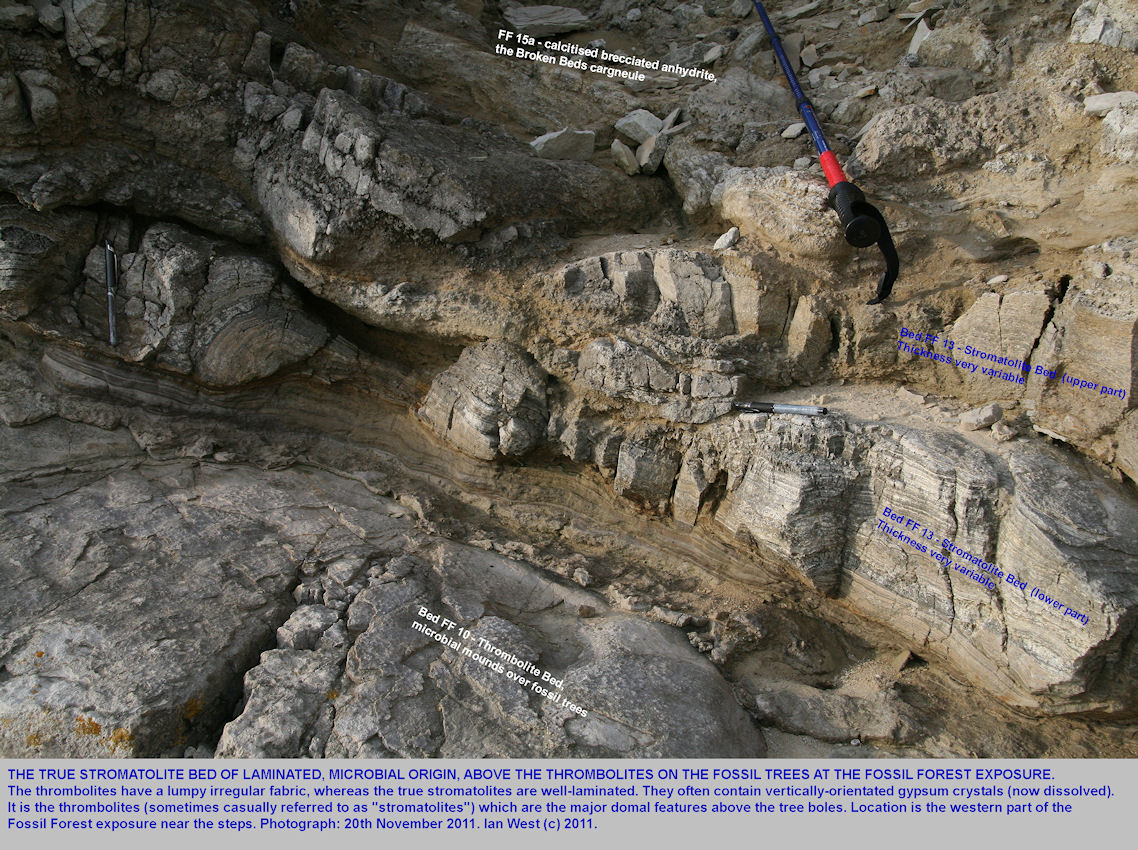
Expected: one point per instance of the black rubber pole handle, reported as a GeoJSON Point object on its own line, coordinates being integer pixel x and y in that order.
{"type": "Point", "coordinates": [862, 227]}
{"type": "Point", "coordinates": [864, 224]}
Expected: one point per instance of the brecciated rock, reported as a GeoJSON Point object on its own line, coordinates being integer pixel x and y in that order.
{"type": "Point", "coordinates": [1110, 22]}
{"type": "Point", "coordinates": [933, 137]}
{"type": "Point", "coordinates": [17, 17]}
{"type": "Point", "coordinates": [695, 172]}
{"type": "Point", "coordinates": [530, 95]}
{"type": "Point", "coordinates": [727, 240]}
{"type": "Point", "coordinates": [186, 303]}
{"type": "Point", "coordinates": [780, 207]}
{"type": "Point", "coordinates": [960, 45]}
{"type": "Point", "coordinates": [120, 40]}
{"type": "Point", "coordinates": [1120, 133]}
{"type": "Point", "coordinates": [492, 402]}
{"type": "Point", "coordinates": [719, 111]}
{"type": "Point", "coordinates": [650, 154]}
{"type": "Point", "coordinates": [122, 148]}
{"type": "Point", "coordinates": [394, 691]}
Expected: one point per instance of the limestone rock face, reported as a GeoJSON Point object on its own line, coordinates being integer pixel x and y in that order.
{"type": "Point", "coordinates": [491, 402]}
{"type": "Point", "coordinates": [811, 495]}
{"type": "Point", "coordinates": [357, 179]}
{"type": "Point", "coordinates": [1088, 375]}
{"type": "Point", "coordinates": [77, 683]}
{"type": "Point", "coordinates": [789, 501]}
{"type": "Point", "coordinates": [38, 255]}
{"type": "Point", "coordinates": [349, 676]}
{"type": "Point", "coordinates": [1060, 517]}
{"type": "Point", "coordinates": [226, 319]}
{"type": "Point", "coordinates": [833, 715]}
{"type": "Point", "coordinates": [390, 690]}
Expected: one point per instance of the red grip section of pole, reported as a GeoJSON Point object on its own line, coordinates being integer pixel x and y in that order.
{"type": "Point", "coordinates": [834, 173]}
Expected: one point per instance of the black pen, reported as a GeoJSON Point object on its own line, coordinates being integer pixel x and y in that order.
{"type": "Point", "coordinates": [112, 266]}
{"type": "Point", "coordinates": [771, 407]}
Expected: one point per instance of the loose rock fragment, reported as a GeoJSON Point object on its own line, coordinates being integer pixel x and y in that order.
{"type": "Point", "coordinates": [565, 144]}
{"type": "Point", "coordinates": [981, 417]}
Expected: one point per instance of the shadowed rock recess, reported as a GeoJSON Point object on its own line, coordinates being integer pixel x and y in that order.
{"type": "Point", "coordinates": [377, 359]}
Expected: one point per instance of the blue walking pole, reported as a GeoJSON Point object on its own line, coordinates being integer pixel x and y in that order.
{"type": "Point", "coordinates": [862, 221]}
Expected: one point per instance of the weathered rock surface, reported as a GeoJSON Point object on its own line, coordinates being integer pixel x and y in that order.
{"type": "Point", "coordinates": [780, 207]}
{"type": "Point", "coordinates": [961, 45]}
{"type": "Point", "coordinates": [917, 139]}
{"type": "Point", "coordinates": [144, 553]}
{"type": "Point", "coordinates": [1110, 22]}
{"type": "Point", "coordinates": [38, 255]}
{"type": "Point", "coordinates": [565, 144]}
{"type": "Point", "coordinates": [148, 534]}
{"type": "Point", "coordinates": [391, 690]}
{"type": "Point", "coordinates": [832, 715]}
{"type": "Point", "coordinates": [544, 21]}
{"type": "Point", "coordinates": [491, 402]}
{"type": "Point", "coordinates": [639, 125]}
{"type": "Point", "coordinates": [189, 305]}
{"type": "Point", "coordinates": [356, 180]}
{"type": "Point", "coordinates": [1120, 133]}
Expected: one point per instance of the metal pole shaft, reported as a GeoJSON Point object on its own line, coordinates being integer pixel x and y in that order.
{"type": "Point", "coordinates": [111, 260]}
{"type": "Point", "coordinates": [830, 166]}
